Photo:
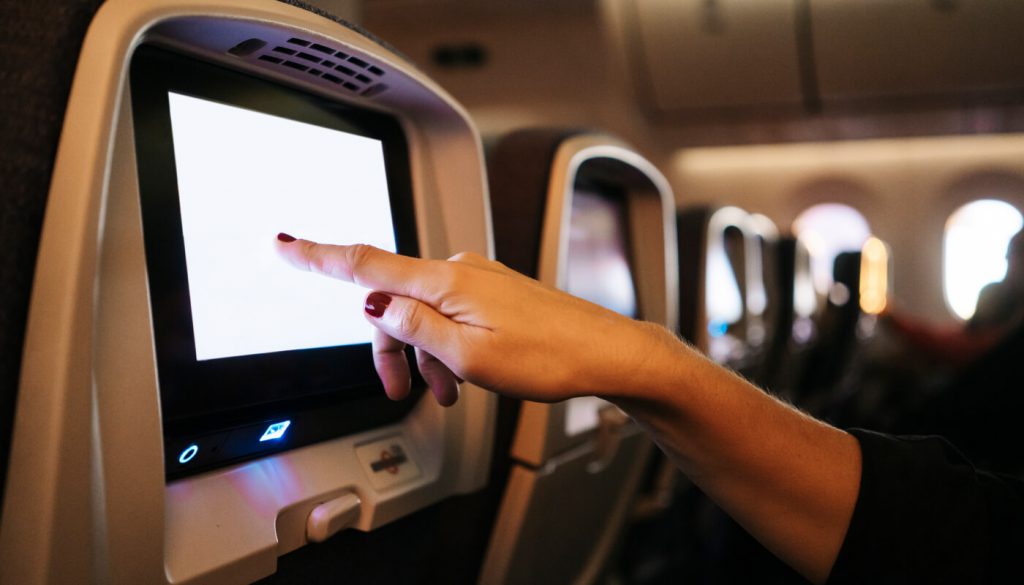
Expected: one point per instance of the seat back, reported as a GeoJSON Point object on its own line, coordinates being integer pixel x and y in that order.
{"type": "Point", "coordinates": [796, 323]}
{"type": "Point", "coordinates": [762, 295]}
{"type": "Point", "coordinates": [723, 298]}
{"type": "Point", "coordinates": [37, 61]}
{"type": "Point", "coordinates": [574, 467]}
{"type": "Point", "coordinates": [87, 497]}
{"type": "Point", "coordinates": [837, 336]}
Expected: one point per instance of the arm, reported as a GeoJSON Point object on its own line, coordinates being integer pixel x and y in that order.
{"type": "Point", "coordinates": [787, 478]}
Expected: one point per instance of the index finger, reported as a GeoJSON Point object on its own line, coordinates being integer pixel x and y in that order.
{"type": "Point", "coordinates": [361, 264]}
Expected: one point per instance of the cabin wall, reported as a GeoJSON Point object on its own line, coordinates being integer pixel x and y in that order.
{"type": "Point", "coordinates": [906, 188]}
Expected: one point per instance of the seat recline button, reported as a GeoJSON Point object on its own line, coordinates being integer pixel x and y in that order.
{"type": "Point", "coordinates": [332, 516]}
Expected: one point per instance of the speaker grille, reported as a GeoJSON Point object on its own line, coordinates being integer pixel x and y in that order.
{"type": "Point", "coordinates": [321, 61]}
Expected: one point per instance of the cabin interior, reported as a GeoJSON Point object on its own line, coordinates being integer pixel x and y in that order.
{"type": "Point", "coordinates": [816, 193]}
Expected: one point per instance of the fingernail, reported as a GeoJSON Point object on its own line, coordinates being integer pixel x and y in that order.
{"type": "Point", "coordinates": [376, 304]}
{"type": "Point", "coordinates": [285, 238]}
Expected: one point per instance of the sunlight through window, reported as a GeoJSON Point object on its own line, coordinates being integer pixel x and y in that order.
{"type": "Point", "coordinates": [974, 253]}
{"type": "Point", "coordinates": [829, 229]}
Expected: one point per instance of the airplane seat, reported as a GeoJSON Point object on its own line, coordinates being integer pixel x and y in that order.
{"type": "Point", "coordinates": [691, 229]}
{"type": "Point", "coordinates": [881, 382]}
{"type": "Point", "coordinates": [776, 354]}
{"type": "Point", "coordinates": [795, 328]}
{"type": "Point", "coordinates": [838, 337]}
{"type": "Point", "coordinates": [37, 64]}
{"type": "Point", "coordinates": [738, 352]}
{"type": "Point", "coordinates": [764, 289]}
{"type": "Point", "coordinates": [580, 211]}
{"type": "Point", "coordinates": [519, 172]}
{"type": "Point", "coordinates": [725, 270]}
{"type": "Point", "coordinates": [155, 439]}
{"type": "Point", "coordinates": [721, 306]}
{"type": "Point", "coordinates": [732, 555]}
{"type": "Point", "coordinates": [979, 410]}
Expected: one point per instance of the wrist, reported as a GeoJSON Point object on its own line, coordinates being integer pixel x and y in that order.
{"type": "Point", "coordinates": [659, 367]}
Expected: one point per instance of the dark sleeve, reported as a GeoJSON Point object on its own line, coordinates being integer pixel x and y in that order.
{"type": "Point", "coordinates": [924, 514]}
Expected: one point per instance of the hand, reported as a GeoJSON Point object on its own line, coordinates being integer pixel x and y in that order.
{"type": "Point", "coordinates": [475, 319]}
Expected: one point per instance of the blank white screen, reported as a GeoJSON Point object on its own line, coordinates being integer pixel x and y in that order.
{"type": "Point", "coordinates": [244, 176]}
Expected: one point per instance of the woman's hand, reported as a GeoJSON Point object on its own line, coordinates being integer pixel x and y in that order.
{"type": "Point", "coordinates": [788, 479]}
{"type": "Point", "coordinates": [476, 319]}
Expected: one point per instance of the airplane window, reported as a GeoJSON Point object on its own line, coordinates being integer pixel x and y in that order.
{"type": "Point", "coordinates": [974, 251]}
{"type": "Point", "coordinates": [874, 276]}
{"type": "Point", "coordinates": [829, 229]}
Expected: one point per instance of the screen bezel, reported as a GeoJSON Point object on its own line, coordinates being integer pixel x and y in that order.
{"type": "Point", "coordinates": [243, 390]}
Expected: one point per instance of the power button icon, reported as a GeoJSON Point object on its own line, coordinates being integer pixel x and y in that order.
{"type": "Point", "coordinates": [188, 454]}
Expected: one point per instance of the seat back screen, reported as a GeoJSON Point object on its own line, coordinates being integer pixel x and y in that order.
{"type": "Point", "coordinates": [253, 355]}
{"type": "Point", "coordinates": [237, 190]}
{"type": "Point", "coordinates": [598, 266]}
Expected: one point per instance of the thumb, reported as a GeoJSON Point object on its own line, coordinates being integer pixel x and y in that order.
{"type": "Point", "coordinates": [412, 322]}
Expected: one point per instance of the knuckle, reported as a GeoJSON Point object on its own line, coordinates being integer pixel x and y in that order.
{"type": "Point", "coordinates": [426, 360]}
{"type": "Point", "coordinates": [357, 256]}
{"type": "Point", "coordinates": [409, 318]}
{"type": "Point", "coordinates": [313, 256]}
{"type": "Point", "coordinates": [501, 267]}
{"type": "Point", "coordinates": [468, 258]}
{"type": "Point", "coordinates": [447, 275]}
{"type": "Point", "coordinates": [430, 365]}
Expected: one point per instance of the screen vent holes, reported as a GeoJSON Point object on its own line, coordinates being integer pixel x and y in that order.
{"type": "Point", "coordinates": [321, 61]}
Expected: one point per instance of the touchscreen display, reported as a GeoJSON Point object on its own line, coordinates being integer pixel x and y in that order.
{"type": "Point", "coordinates": [252, 355]}
{"type": "Point", "coordinates": [243, 176]}
{"type": "Point", "coordinates": [597, 264]}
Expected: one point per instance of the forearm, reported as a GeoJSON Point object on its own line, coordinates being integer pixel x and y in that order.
{"type": "Point", "coordinates": [790, 480]}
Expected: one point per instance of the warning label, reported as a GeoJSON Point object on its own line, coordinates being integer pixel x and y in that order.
{"type": "Point", "coordinates": [388, 462]}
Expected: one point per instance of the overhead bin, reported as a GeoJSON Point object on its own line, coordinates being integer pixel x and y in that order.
{"type": "Point", "coordinates": [720, 53]}
{"type": "Point", "coordinates": [882, 48]}
{"type": "Point", "coordinates": [743, 55]}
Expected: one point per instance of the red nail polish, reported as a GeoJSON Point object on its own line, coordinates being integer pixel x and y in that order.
{"type": "Point", "coordinates": [376, 304]}
{"type": "Point", "coordinates": [285, 238]}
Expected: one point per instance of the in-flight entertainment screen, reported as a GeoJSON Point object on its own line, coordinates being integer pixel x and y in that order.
{"type": "Point", "coordinates": [598, 264]}
{"type": "Point", "coordinates": [254, 355]}
{"type": "Point", "coordinates": [236, 194]}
